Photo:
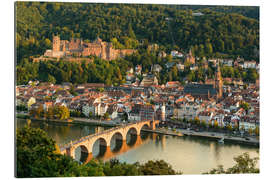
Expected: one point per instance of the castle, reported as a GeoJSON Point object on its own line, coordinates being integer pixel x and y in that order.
{"type": "Point", "coordinates": [78, 48]}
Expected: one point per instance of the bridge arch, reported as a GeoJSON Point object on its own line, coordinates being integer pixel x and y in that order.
{"type": "Point", "coordinates": [81, 153]}
{"type": "Point", "coordinates": [99, 146]}
{"type": "Point", "coordinates": [146, 126]}
{"type": "Point", "coordinates": [102, 141]}
{"type": "Point", "coordinates": [116, 141]}
{"type": "Point", "coordinates": [131, 135]}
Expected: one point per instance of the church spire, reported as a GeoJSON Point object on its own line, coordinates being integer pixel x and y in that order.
{"type": "Point", "coordinates": [219, 82]}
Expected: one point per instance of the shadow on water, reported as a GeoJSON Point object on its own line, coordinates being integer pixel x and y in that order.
{"type": "Point", "coordinates": [117, 146]}
{"type": "Point", "coordinates": [131, 139]}
{"type": "Point", "coordinates": [145, 135]}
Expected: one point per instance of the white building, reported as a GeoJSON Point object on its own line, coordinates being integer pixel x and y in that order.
{"type": "Point", "coordinates": [249, 64]}
{"type": "Point", "coordinates": [187, 110]}
{"type": "Point", "coordinates": [247, 125]}
{"type": "Point", "coordinates": [175, 53]}
{"type": "Point", "coordinates": [205, 116]}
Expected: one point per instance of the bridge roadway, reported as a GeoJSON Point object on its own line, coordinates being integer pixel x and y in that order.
{"type": "Point", "coordinates": [120, 133]}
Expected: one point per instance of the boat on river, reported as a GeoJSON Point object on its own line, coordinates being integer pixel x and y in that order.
{"type": "Point", "coordinates": [221, 141]}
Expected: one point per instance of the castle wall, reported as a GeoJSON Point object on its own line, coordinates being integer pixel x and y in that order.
{"type": "Point", "coordinates": [77, 47]}
{"type": "Point", "coordinates": [58, 54]}
{"type": "Point", "coordinates": [124, 52]}
{"type": "Point", "coordinates": [92, 49]}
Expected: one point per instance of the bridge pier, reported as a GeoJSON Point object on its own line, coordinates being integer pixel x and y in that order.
{"type": "Point", "coordinates": [70, 151]}
{"type": "Point", "coordinates": [89, 157]}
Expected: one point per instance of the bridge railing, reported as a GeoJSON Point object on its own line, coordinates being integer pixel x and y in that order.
{"type": "Point", "coordinates": [76, 141]}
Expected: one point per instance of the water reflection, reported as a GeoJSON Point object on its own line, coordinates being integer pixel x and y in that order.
{"type": "Point", "coordinates": [191, 155]}
{"type": "Point", "coordinates": [103, 152]}
{"type": "Point", "coordinates": [62, 133]}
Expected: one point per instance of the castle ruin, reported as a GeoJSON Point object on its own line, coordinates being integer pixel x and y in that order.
{"type": "Point", "coordinates": [76, 47]}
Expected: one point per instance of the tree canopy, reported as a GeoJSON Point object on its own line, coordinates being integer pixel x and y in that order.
{"type": "Point", "coordinates": [244, 164]}
{"type": "Point", "coordinates": [229, 30]}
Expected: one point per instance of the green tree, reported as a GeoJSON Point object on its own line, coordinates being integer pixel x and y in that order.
{"type": "Point", "coordinates": [197, 120]}
{"type": "Point", "coordinates": [90, 114]}
{"type": "Point", "coordinates": [245, 106]}
{"type": "Point", "coordinates": [61, 112]}
{"type": "Point", "coordinates": [257, 131]}
{"type": "Point", "coordinates": [159, 167]}
{"type": "Point", "coordinates": [106, 115]}
{"type": "Point", "coordinates": [229, 127]}
{"type": "Point", "coordinates": [131, 33]}
{"type": "Point", "coordinates": [51, 79]}
{"type": "Point", "coordinates": [115, 168]}
{"type": "Point", "coordinates": [33, 148]}
{"type": "Point", "coordinates": [37, 155]}
{"type": "Point", "coordinates": [215, 124]}
{"type": "Point", "coordinates": [244, 164]}
{"type": "Point", "coordinates": [250, 131]}
{"type": "Point", "coordinates": [208, 48]}
{"type": "Point", "coordinates": [203, 123]}
{"type": "Point", "coordinates": [49, 113]}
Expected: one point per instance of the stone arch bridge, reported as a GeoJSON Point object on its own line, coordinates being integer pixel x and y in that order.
{"type": "Point", "coordinates": [120, 133]}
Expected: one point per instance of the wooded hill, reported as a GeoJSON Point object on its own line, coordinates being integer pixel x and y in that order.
{"type": "Point", "coordinates": [220, 30]}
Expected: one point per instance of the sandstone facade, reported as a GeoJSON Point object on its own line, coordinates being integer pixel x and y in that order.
{"type": "Point", "coordinates": [78, 48]}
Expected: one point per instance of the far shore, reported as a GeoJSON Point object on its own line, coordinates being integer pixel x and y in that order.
{"type": "Point", "coordinates": [72, 120]}
{"type": "Point", "coordinates": [178, 132]}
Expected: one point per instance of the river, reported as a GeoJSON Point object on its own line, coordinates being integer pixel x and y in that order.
{"type": "Point", "coordinates": [189, 155]}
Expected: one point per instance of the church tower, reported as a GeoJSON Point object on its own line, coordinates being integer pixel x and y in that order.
{"type": "Point", "coordinates": [190, 58]}
{"type": "Point", "coordinates": [219, 83]}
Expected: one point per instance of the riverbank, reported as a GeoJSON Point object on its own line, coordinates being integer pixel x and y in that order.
{"type": "Point", "coordinates": [78, 121]}
{"type": "Point", "coordinates": [161, 131]}
{"type": "Point", "coordinates": [209, 135]}
{"type": "Point", "coordinates": [177, 132]}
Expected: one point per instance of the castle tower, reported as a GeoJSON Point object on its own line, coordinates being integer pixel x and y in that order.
{"type": "Point", "coordinates": [219, 83]}
{"type": "Point", "coordinates": [109, 51]}
{"type": "Point", "coordinates": [56, 43]}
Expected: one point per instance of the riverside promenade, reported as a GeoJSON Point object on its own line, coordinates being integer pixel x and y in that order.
{"type": "Point", "coordinates": [211, 135]}
{"type": "Point", "coordinates": [73, 120]}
